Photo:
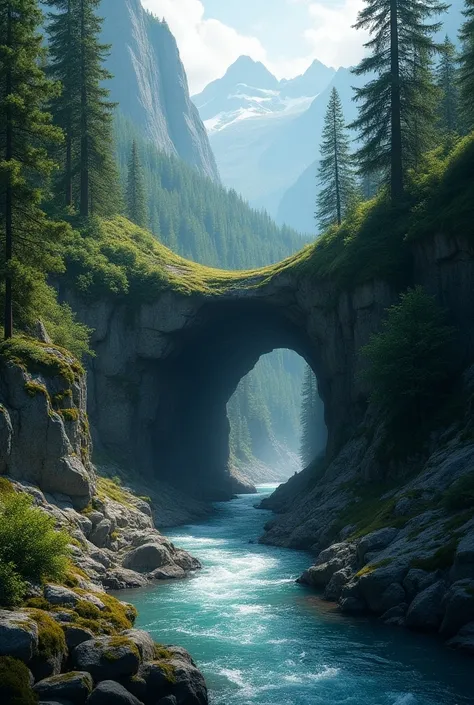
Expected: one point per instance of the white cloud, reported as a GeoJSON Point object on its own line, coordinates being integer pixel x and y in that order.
{"type": "Point", "coordinates": [333, 39]}
{"type": "Point", "coordinates": [207, 46]}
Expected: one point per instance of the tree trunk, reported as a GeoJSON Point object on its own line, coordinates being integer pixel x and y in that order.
{"type": "Point", "coordinates": [336, 167]}
{"type": "Point", "coordinates": [8, 321]}
{"type": "Point", "coordinates": [84, 167]}
{"type": "Point", "coordinates": [68, 169]}
{"type": "Point", "coordinates": [396, 181]}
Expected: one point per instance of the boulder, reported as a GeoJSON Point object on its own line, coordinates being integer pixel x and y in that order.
{"type": "Point", "coordinates": [464, 639]}
{"type": "Point", "coordinates": [143, 642]}
{"type": "Point", "coordinates": [352, 605]}
{"type": "Point", "coordinates": [334, 588]}
{"type": "Point", "coordinates": [459, 607]}
{"type": "Point", "coordinates": [61, 596]}
{"type": "Point", "coordinates": [75, 687]}
{"type": "Point", "coordinates": [395, 616]}
{"type": "Point", "coordinates": [463, 567]}
{"type": "Point", "coordinates": [418, 580]}
{"type": "Point", "coordinates": [393, 596]}
{"type": "Point", "coordinates": [147, 558]}
{"type": "Point", "coordinates": [177, 676]}
{"type": "Point", "coordinates": [376, 541]}
{"type": "Point", "coordinates": [18, 635]}
{"type": "Point", "coordinates": [123, 579]}
{"type": "Point", "coordinates": [76, 635]}
{"type": "Point", "coordinates": [100, 533]}
{"type": "Point", "coordinates": [426, 610]}
{"type": "Point", "coordinates": [168, 572]}
{"type": "Point", "coordinates": [376, 586]}
{"type": "Point", "coordinates": [111, 693]}
{"type": "Point", "coordinates": [169, 700]}
{"type": "Point", "coordinates": [107, 658]}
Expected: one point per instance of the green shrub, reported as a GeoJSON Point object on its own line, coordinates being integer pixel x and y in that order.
{"type": "Point", "coordinates": [461, 494]}
{"type": "Point", "coordinates": [29, 541]}
{"type": "Point", "coordinates": [15, 686]}
{"type": "Point", "coordinates": [409, 360]}
{"type": "Point", "coordinates": [12, 587]}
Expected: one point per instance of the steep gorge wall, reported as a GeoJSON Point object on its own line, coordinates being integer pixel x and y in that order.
{"type": "Point", "coordinates": [164, 371]}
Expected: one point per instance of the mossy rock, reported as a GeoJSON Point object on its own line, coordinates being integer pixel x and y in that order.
{"type": "Point", "coordinates": [51, 640]}
{"type": "Point", "coordinates": [15, 683]}
{"type": "Point", "coordinates": [42, 358]}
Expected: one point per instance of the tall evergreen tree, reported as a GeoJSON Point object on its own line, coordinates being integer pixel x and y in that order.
{"type": "Point", "coordinates": [467, 66]}
{"type": "Point", "coordinates": [136, 195]}
{"type": "Point", "coordinates": [447, 82]}
{"type": "Point", "coordinates": [63, 45]}
{"type": "Point", "coordinates": [25, 133]}
{"type": "Point", "coordinates": [335, 172]}
{"type": "Point", "coordinates": [401, 40]}
{"type": "Point", "coordinates": [83, 111]}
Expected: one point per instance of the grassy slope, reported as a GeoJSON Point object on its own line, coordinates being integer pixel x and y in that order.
{"type": "Point", "coordinates": [116, 257]}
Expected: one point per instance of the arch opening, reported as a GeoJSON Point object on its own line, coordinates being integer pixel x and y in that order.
{"type": "Point", "coordinates": [213, 354]}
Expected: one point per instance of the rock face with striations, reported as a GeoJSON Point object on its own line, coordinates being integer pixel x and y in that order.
{"type": "Point", "coordinates": [150, 83]}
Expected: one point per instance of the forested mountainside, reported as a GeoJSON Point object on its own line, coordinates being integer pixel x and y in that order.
{"type": "Point", "coordinates": [150, 84]}
{"type": "Point", "coordinates": [254, 128]}
{"type": "Point", "coordinates": [205, 222]}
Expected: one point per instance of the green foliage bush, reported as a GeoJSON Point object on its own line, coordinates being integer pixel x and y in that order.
{"type": "Point", "coordinates": [15, 686]}
{"type": "Point", "coordinates": [30, 546]}
{"type": "Point", "coordinates": [409, 360]}
{"type": "Point", "coordinates": [36, 300]}
{"type": "Point", "coordinates": [12, 587]}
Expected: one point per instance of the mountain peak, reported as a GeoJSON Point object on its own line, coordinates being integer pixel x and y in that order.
{"type": "Point", "coordinates": [254, 73]}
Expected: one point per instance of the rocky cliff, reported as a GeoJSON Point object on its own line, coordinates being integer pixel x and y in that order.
{"type": "Point", "coordinates": [149, 83]}
{"type": "Point", "coordinates": [394, 535]}
{"type": "Point", "coordinates": [45, 451]}
{"type": "Point", "coordinates": [74, 642]}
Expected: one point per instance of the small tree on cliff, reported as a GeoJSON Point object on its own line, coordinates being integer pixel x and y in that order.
{"type": "Point", "coordinates": [336, 175]}
{"type": "Point", "coordinates": [136, 195]}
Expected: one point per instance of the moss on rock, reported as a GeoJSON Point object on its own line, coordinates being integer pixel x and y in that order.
{"type": "Point", "coordinates": [51, 639]}
{"type": "Point", "coordinates": [15, 688]}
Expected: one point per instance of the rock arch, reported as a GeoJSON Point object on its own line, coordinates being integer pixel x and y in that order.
{"type": "Point", "coordinates": [164, 371]}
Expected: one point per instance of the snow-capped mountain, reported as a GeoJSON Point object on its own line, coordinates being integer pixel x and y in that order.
{"type": "Point", "coordinates": [244, 112]}
{"type": "Point", "coordinates": [249, 90]}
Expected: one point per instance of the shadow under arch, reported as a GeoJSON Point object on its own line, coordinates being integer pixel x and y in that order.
{"type": "Point", "coordinates": [220, 347]}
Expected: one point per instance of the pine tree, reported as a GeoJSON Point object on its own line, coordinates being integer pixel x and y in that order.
{"type": "Point", "coordinates": [467, 66]}
{"type": "Point", "coordinates": [136, 196]}
{"type": "Point", "coordinates": [63, 45]}
{"type": "Point", "coordinates": [401, 41]}
{"type": "Point", "coordinates": [446, 80]}
{"type": "Point", "coordinates": [25, 134]}
{"type": "Point", "coordinates": [335, 171]}
{"type": "Point", "coordinates": [83, 111]}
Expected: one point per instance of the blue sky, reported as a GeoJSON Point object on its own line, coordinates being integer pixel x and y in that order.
{"type": "Point", "coordinates": [286, 35]}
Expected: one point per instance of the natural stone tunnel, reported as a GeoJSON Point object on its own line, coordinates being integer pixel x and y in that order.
{"type": "Point", "coordinates": [164, 372]}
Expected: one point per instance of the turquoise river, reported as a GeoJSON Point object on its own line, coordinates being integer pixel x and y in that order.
{"type": "Point", "coordinates": [261, 639]}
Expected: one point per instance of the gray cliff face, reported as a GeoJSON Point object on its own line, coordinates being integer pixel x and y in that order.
{"type": "Point", "coordinates": [164, 372]}
{"type": "Point", "coordinates": [44, 430]}
{"type": "Point", "coordinates": [150, 83]}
